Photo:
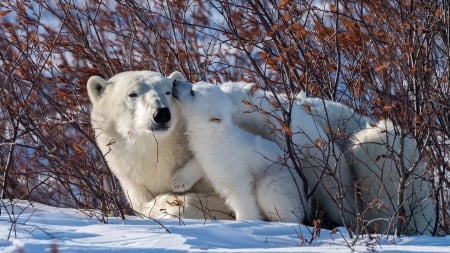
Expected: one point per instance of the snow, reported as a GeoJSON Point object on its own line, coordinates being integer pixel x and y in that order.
{"type": "Point", "coordinates": [26, 227]}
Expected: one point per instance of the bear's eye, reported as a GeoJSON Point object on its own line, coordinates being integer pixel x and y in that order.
{"type": "Point", "coordinates": [133, 95]}
{"type": "Point", "coordinates": [168, 93]}
{"type": "Point", "coordinates": [215, 119]}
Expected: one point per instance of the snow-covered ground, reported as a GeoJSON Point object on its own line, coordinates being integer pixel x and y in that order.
{"type": "Point", "coordinates": [41, 228]}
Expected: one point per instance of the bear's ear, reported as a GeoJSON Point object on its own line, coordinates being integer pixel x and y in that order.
{"type": "Point", "coordinates": [176, 75]}
{"type": "Point", "coordinates": [95, 87]}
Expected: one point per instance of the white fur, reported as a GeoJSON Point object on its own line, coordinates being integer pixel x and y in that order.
{"type": "Point", "coordinates": [368, 146]}
{"type": "Point", "coordinates": [144, 159]}
{"type": "Point", "coordinates": [141, 152]}
{"type": "Point", "coordinates": [335, 117]}
{"type": "Point", "coordinates": [242, 167]}
{"type": "Point", "coordinates": [376, 157]}
{"type": "Point", "coordinates": [321, 161]}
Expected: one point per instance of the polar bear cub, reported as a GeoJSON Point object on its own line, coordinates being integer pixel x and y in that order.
{"type": "Point", "coordinates": [382, 158]}
{"type": "Point", "coordinates": [245, 169]}
{"type": "Point", "coordinates": [321, 161]}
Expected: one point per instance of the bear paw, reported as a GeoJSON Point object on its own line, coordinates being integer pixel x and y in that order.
{"type": "Point", "coordinates": [182, 182]}
{"type": "Point", "coordinates": [184, 178]}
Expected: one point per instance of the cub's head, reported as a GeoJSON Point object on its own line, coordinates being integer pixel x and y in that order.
{"type": "Point", "coordinates": [203, 102]}
{"type": "Point", "coordinates": [133, 103]}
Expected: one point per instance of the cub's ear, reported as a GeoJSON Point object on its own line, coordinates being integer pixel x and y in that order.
{"type": "Point", "coordinates": [95, 87]}
{"type": "Point", "coordinates": [176, 75]}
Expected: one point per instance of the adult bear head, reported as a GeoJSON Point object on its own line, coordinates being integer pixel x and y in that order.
{"type": "Point", "coordinates": [133, 103]}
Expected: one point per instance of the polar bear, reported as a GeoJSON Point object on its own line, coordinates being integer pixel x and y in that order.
{"type": "Point", "coordinates": [381, 156]}
{"type": "Point", "coordinates": [337, 119]}
{"type": "Point", "coordinates": [244, 168]}
{"type": "Point", "coordinates": [373, 150]}
{"type": "Point", "coordinates": [139, 131]}
{"type": "Point", "coordinates": [322, 163]}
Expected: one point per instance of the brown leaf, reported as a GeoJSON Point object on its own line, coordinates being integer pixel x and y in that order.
{"type": "Point", "coordinates": [333, 8]}
{"type": "Point", "coordinates": [369, 19]}
{"type": "Point", "coordinates": [319, 143]}
{"type": "Point", "coordinates": [4, 13]}
{"type": "Point", "coordinates": [78, 149]}
{"type": "Point", "coordinates": [387, 108]}
{"type": "Point", "coordinates": [283, 3]}
{"type": "Point", "coordinates": [380, 68]}
{"type": "Point", "coordinates": [376, 101]}
{"type": "Point", "coordinates": [35, 38]}
{"type": "Point", "coordinates": [176, 202]}
{"type": "Point", "coordinates": [286, 17]}
{"type": "Point", "coordinates": [287, 129]}
{"type": "Point", "coordinates": [307, 109]}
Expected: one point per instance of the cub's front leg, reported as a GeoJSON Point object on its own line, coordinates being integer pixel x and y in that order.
{"type": "Point", "coordinates": [184, 178]}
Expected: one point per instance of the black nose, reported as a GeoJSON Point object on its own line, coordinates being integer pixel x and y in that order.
{"type": "Point", "coordinates": [162, 115]}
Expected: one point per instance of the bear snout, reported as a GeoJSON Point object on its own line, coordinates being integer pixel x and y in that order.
{"type": "Point", "coordinates": [162, 115]}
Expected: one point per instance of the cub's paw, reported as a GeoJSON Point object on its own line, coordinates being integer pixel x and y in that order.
{"type": "Point", "coordinates": [184, 178]}
{"type": "Point", "coordinates": [178, 187]}
{"type": "Point", "coordinates": [181, 182]}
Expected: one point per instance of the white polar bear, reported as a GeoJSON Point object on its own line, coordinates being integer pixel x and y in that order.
{"type": "Point", "coordinates": [139, 131]}
{"type": "Point", "coordinates": [244, 168]}
{"type": "Point", "coordinates": [337, 119]}
{"type": "Point", "coordinates": [373, 150]}
{"type": "Point", "coordinates": [323, 164]}
{"type": "Point", "coordinates": [376, 157]}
